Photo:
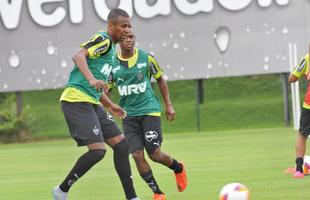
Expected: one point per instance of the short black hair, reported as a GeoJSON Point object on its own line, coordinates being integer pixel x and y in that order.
{"type": "Point", "coordinates": [117, 12]}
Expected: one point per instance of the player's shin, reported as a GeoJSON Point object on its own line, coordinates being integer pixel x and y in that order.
{"type": "Point", "coordinates": [150, 180]}
{"type": "Point", "coordinates": [83, 164]}
{"type": "Point", "coordinates": [122, 167]}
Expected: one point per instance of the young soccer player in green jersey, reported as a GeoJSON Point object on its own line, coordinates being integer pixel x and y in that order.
{"type": "Point", "coordinates": [88, 123]}
{"type": "Point", "coordinates": [142, 128]}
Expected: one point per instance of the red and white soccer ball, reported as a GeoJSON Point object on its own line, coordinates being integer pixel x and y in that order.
{"type": "Point", "coordinates": [235, 191]}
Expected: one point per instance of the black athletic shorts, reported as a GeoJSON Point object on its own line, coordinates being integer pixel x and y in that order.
{"type": "Point", "coordinates": [89, 123]}
{"type": "Point", "coordinates": [143, 132]}
{"type": "Point", "coordinates": [304, 128]}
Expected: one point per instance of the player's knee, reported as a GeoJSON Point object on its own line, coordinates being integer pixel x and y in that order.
{"type": "Point", "coordinates": [122, 148]}
{"type": "Point", "coordinates": [97, 154]}
{"type": "Point", "coordinates": [155, 155]}
{"type": "Point", "coordinates": [138, 156]}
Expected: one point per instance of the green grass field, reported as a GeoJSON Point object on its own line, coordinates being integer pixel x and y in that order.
{"type": "Point", "coordinates": [257, 158]}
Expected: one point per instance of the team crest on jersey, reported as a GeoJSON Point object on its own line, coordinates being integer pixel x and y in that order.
{"type": "Point", "coordinates": [96, 130]}
{"type": "Point", "coordinates": [140, 76]}
{"type": "Point", "coordinates": [151, 135]}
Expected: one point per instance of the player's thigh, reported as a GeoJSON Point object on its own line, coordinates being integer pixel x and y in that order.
{"type": "Point", "coordinates": [108, 125]}
{"type": "Point", "coordinates": [304, 128]}
{"type": "Point", "coordinates": [152, 133]}
{"type": "Point", "coordinates": [134, 133]}
{"type": "Point", "coordinates": [82, 122]}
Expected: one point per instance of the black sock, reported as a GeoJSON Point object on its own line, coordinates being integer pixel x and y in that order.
{"type": "Point", "coordinates": [82, 165]}
{"type": "Point", "coordinates": [176, 167]}
{"type": "Point", "coordinates": [122, 167]}
{"type": "Point", "coordinates": [151, 182]}
{"type": "Point", "coordinates": [299, 164]}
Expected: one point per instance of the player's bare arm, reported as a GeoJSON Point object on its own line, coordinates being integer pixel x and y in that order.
{"type": "Point", "coordinates": [79, 59]}
{"type": "Point", "coordinates": [163, 87]}
{"type": "Point", "coordinates": [113, 108]}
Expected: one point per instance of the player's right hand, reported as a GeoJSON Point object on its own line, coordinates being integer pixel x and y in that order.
{"type": "Point", "coordinates": [170, 112]}
{"type": "Point", "coordinates": [98, 84]}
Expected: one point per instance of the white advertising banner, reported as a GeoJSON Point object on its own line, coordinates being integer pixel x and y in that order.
{"type": "Point", "coordinates": [191, 39]}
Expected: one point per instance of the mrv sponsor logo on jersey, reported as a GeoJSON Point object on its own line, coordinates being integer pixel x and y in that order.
{"type": "Point", "coordinates": [132, 89]}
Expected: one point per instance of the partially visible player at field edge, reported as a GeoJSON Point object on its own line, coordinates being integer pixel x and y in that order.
{"type": "Point", "coordinates": [142, 126]}
{"type": "Point", "coordinates": [302, 70]}
{"type": "Point", "coordinates": [88, 123]}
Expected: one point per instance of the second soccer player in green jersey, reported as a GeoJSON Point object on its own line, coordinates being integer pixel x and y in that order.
{"type": "Point", "coordinates": [142, 125]}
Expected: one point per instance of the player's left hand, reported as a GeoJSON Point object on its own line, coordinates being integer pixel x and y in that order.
{"type": "Point", "coordinates": [170, 113]}
{"type": "Point", "coordinates": [117, 111]}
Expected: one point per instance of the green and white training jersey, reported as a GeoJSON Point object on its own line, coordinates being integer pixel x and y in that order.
{"type": "Point", "coordinates": [101, 60]}
{"type": "Point", "coordinates": [132, 77]}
